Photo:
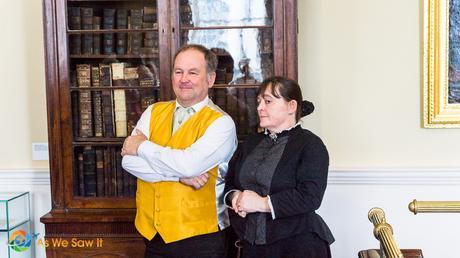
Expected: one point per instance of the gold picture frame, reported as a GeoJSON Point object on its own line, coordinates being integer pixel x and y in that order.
{"type": "Point", "coordinates": [438, 112]}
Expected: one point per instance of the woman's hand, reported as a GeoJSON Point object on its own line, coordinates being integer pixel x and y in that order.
{"type": "Point", "coordinates": [234, 204]}
{"type": "Point", "coordinates": [249, 201]}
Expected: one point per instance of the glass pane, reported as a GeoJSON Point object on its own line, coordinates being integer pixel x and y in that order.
{"type": "Point", "coordinates": [97, 112]}
{"type": "Point", "coordinates": [241, 104]}
{"type": "Point", "coordinates": [121, 18]}
{"type": "Point", "coordinates": [98, 173]}
{"type": "Point", "coordinates": [245, 55]}
{"type": "Point", "coordinates": [113, 77]}
{"type": "Point", "coordinates": [226, 13]}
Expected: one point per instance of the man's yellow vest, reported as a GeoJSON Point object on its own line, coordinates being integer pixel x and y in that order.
{"type": "Point", "coordinates": [174, 210]}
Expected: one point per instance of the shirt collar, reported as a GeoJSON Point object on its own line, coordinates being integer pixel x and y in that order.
{"type": "Point", "coordinates": [198, 106]}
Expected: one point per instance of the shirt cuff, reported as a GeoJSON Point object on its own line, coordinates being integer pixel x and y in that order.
{"type": "Point", "coordinates": [272, 211]}
{"type": "Point", "coordinates": [225, 198]}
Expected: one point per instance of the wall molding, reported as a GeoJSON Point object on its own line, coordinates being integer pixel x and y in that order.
{"type": "Point", "coordinates": [337, 176]}
{"type": "Point", "coordinates": [24, 177]}
{"type": "Point", "coordinates": [394, 176]}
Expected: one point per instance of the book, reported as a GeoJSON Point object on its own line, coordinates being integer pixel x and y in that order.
{"type": "Point", "coordinates": [96, 36]}
{"type": "Point", "coordinates": [108, 20]}
{"type": "Point", "coordinates": [149, 14]}
{"type": "Point", "coordinates": [220, 97]}
{"type": "Point", "coordinates": [97, 103]}
{"type": "Point", "coordinates": [84, 81]}
{"type": "Point", "coordinates": [119, 100]}
{"type": "Point", "coordinates": [74, 15]}
{"type": "Point", "coordinates": [242, 122]}
{"type": "Point", "coordinates": [122, 23]}
{"type": "Point", "coordinates": [87, 24]}
{"type": "Point", "coordinates": [131, 76]}
{"type": "Point", "coordinates": [136, 37]}
{"type": "Point", "coordinates": [107, 171]}
{"type": "Point", "coordinates": [146, 76]}
{"type": "Point", "coordinates": [80, 174]}
{"type": "Point", "coordinates": [119, 173]}
{"type": "Point", "coordinates": [100, 172]}
{"type": "Point", "coordinates": [89, 170]}
{"type": "Point", "coordinates": [133, 109]}
{"type": "Point", "coordinates": [232, 104]}
{"type": "Point", "coordinates": [107, 100]}
{"type": "Point", "coordinates": [251, 105]}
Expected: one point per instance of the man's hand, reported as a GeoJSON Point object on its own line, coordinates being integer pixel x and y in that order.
{"type": "Point", "coordinates": [132, 143]}
{"type": "Point", "coordinates": [195, 182]}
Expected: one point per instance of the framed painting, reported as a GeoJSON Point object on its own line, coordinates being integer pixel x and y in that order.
{"type": "Point", "coordinates": [441, 64]}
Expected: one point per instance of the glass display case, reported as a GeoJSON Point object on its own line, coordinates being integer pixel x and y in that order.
{"type": "Point", "coordinates": [15, 225]}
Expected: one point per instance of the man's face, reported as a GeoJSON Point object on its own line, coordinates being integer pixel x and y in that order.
{"type": "Point", "coordinates": [190, 79]}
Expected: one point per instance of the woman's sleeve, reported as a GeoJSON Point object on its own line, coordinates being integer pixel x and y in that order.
{"type": "Point", "coordinates": [311, 181]}
{"type": "Point", "coordinates": [230, 178]}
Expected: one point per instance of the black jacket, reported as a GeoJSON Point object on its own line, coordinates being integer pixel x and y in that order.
{"type": "Point", "coordinates": [297, 186]}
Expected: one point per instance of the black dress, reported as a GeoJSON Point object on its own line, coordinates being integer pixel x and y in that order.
{"type": "Point", "coordinates": [292, 170]}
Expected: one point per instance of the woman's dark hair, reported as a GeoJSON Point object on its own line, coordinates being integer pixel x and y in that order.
{"type": "Point", "coordinates": [287, 89]}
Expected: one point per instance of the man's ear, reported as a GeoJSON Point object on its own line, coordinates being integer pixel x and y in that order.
{"type": "Point", "coordinates": [211, 78]}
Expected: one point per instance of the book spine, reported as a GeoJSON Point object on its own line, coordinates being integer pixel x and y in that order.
{"type": "Point", "coordinates": [81, 176]}
{"type": "Point", "coordinates": [251, 105]}
{"type": "Point", "coordinates": [100, 172]}
{"type": "Point", "coordinates": [147, 76]}
{"type": "Point", "coordinates": [97, 103]}
{"type": "Point", "coordinates": [107, 169]}
{"type": "Point", "coordinates": [96, 36]}
{"type": "Point", "coordinates": [74, 24]}
{"type": "Point", "coordinates": [84, 81]}
{"type": "Point", "coordinates": [89, 171]}
{"type": "Point", "coordinates": [107, 100]}
{"type": "Point", "coordinates": [87, 24]}
{"type": "Point", "coordinates": [133, 109]}
{"type": "Point", "coordinates": [119, 100]}
{"type": "Point", "coordinates": [136, 37]}
{"type": "Point", "coordinates": [119, 173]}
{"type": "Point", "coordinates": [242, 127]}
{"type": "Point", "coordinates": [122, 23]}
{"type": "Point", "coordinates": [75, 114]}
{"type": "Point", "coordinates": [232, 105]}
{"type": "Point", "coordinates": [108, 23]}
{"type": "Point", "coordinates": [120, 113]}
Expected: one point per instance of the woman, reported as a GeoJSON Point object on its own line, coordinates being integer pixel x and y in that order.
{"type": "Point", "coordinates": [277, 180]}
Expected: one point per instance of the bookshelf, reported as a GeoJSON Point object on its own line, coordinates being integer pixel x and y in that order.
{"type": "Point", "coordinates": [106, 61]}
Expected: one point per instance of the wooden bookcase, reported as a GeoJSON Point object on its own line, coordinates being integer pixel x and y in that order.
{"type": "Point", "coordinates": [106, 60]}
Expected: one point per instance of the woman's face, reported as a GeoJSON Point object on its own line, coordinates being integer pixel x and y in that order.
{"type": "Point", "coordinates": [275, 114]}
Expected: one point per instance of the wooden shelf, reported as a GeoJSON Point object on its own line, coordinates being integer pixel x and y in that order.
{"type": "Point", "coordinates": [102, 31]}
{"type": "Point", "coordinates": [115, 88]}
{"type": "Point", "coordinates": [226, 27]}
{"type": "Point", "coordinates": [114, 56]}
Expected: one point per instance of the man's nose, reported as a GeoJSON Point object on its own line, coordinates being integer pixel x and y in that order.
{"type": "Point", "coordinates": [184, 77]}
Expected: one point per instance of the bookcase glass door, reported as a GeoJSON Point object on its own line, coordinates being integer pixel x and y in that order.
{"type": "Point", "coordinates": [241, 35]}
{"type": "Point", "coordinates": [113, 66]}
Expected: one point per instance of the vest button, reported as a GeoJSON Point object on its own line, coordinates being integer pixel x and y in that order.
{"type": "Point", "coordinates": [157, 195]}
{"type": "Point", "coordinates": [157, 224]}
{"type": "Point", "coordinates": [157, 210]}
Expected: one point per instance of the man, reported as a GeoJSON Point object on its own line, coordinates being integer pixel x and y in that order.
{"type": "Point", "coordinates": [180, 151]}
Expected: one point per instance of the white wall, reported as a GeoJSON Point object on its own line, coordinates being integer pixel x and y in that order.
{"type": "Point", "coordinates": [359, 62]}
{"type": "Point", "coordinates": [22, 88]}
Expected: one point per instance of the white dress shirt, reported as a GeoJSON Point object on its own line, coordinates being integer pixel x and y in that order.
{"type": "Point", "coordinates": [156, 163]}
